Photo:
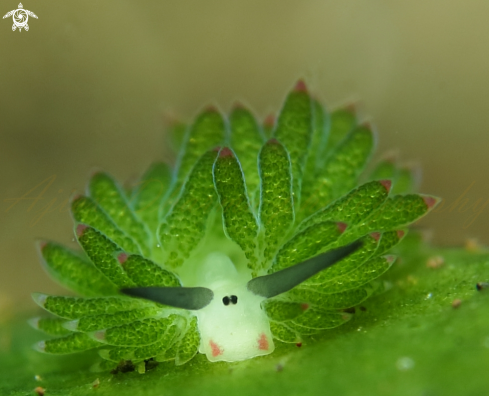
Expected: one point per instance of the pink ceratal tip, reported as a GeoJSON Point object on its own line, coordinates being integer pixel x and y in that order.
{"type": "Point", "coordinates": [80, 229]}
{"type": "Point", "coordinates": [76, 197]}
{"type": "Point", "coordinates": [341, 226]}
{"type": "Point", "coordinates": [170, 118]}
{"type": "Point", "coordinates": [400, 234]}
{"type": "Point", "coordinates": [430, 201]}
{"type": "Point", "coordinates": [100, 335]}
{"type": "Point", "coordinates": [304, 306]}
{"type": "Point", "coordinates": [390, 258]}
{"type": "Point", "coordinates": [217, 149]}
{"type": "Point", "coordinates": [375, 235]}
{"type": "Point", "coordinates": [96, 172]}
{"type": "Point", "coordinates": [237, 106]}
{"type": "Point", "coordinates": [300, 86]}
{"type": "Point", "coordinates": [273, 141]}
{"type": "Point", "coordinates": [368, 125]}
{"type": "Point", "coordinates": [225, 152]}
{"type": "Point", "coordinates": [269, 121]}
{"type": "Point", "coordinates": [211, 109]}
{"type": "Point", "coordinates": [387, 184]}
{"type": "Point", "coordinates": [351, 107]}
{"type": "Point", "coordinates": [298, 344]}
{"type": "Point", "coordinates": [42, 245]}
{"type": "Point", "coordinates": [122, 257]}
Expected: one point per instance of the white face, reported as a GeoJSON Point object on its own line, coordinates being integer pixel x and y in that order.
{"type": "Point", "coordinates": [233, 326]}
{"type": "Point", "coordinates": [227, 304]}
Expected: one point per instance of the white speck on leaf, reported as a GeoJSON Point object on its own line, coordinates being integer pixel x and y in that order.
{"type": "Point", "coordinates": [404, 363]}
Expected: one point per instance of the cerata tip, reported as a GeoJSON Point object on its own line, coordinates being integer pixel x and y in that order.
{"type": "Point", "coordinates": [225, 152]}
{"type": "Point", "coordinates": [80, 230]}
{"type": "Point", "coordinates": [430, 201]}
{"type": "Point", "coordinates": [387, 184]}
{"type": "Point", "coordinates": [300, 86]}
{"type": "Point", "coordinates": [341, 226]}
{"type": "Point", "coordinates": [269, 121]}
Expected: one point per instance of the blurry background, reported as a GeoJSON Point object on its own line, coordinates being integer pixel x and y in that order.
{"type": "Point", "coordinates": [88, 84]}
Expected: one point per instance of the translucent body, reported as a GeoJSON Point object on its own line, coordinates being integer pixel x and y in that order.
{"type": "Point", "coordinates": [234, 331]}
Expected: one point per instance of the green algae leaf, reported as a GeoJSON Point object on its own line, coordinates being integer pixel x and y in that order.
{"type": "Point", "coordinates": [276, 210]}
{"type": "Point", "coordinates": [137, 333]}
{"type": "Point", "coordinates": [284, 333]}
{"type": "Point", "coordinates": [389, 239]}
{"type": "Point", "coordinates": [408, 180]}
{"type": "Point", "coordinates": [319, 141]}
{"type": "Point", "coordinates": [317, 319]}
{"type": "Point", "coordinates": [184, 226]}
{"type": "Point", "coordinates": [342, 270]}
{"type": "Point", "coordinates": [306, 244]}
{"type": "Point", "coordinates": [75, 342]}
{"type": "Point", "coordinates": [342, 168]}
{"type": "Point", "coordinates": [150, 193]}
{"type": "Point", "coordinates": [246, 141]}
{"type": "Point", "coordinates": [188, 345]}
{"type": "Point", "coordinates": [207, 132]}
{"type": "Point", "coordinates": [405, 178]}
{"type": "Point", "coordinates": [139, 354]}
{"type": "Point", "coordinates": [363, 274]}
{"type": "Point", "coordinates": [398, 211]}
{"type": "Point", "coordinates": [320, 297]}
{"type": "Point", "coordinates": [74, 271]}
{"type": "Point", "coordinates": [385, 169]}
{"type": "Point", "coordinates": [345, 164]}
{"type": "Point", "coordinates": [77, 307]}
{"type": "Point", "coordinates": [294, 130]}
{"type": "Point", "coordinates": [342, 122]}
{"type": "Point", "coordinates": [240, 223]}
{"type": "Point", "coordinates": [109, 196]}
{"type": "Point", "coordinates": [317, 186]}
{"type": "Point", "coordinates": [116, 354]}
{"type": "Point", "coordinates": [144, 272]}
{"type": "Point", "coordinates": [354, 207]}
{"type": "Point", "coordinates": [171, 351]}
{"type": "Point", "coordinates": [280, 310]}
{"type": "Point", "coordinates": [317, 147]}
{"type": "Point", "coordinates": [158, 347]}
{"type": "Point", "coordinates": [176, 133]}
{"type": "Point", "coordinates": [86, 211]}
{"type": "Point", "coordinates": [50, 326]}
{"type": "Point", "coordinates": [102, 251]}
{"type": "Point", "coordinates": [99, 322]}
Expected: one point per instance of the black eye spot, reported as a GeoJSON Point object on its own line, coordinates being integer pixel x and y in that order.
{"type": "Point", "coordinates": [230, 300]}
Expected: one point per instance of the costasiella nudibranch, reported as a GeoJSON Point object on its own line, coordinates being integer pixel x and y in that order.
{"type": "Point", "coordinates": [234, 246]}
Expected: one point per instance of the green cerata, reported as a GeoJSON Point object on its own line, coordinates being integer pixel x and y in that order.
{"type": "Point", "coordinates": [258, 233]}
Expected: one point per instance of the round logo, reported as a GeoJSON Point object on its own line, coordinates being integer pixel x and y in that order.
{"type": "Point", "coordinates": [20, 18]}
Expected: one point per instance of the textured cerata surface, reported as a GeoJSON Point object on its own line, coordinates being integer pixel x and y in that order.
{"type": "Point", "coordinates": [170, 267]}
